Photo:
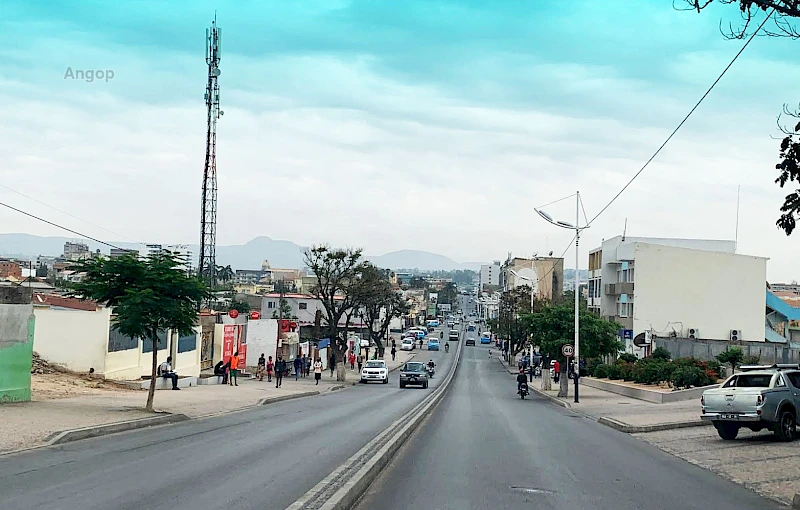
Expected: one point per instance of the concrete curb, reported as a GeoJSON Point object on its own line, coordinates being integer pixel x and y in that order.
{"type": "Point", "coordinates": [281, 398]}
{"type": "Point", "coordinates": [342, 489]}
{"type": "Point", "coordinates": [637, 429]}
{"type": "Point", "coordinates": [67, 436]}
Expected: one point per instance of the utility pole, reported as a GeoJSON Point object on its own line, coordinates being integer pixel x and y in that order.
{"type": "Point", "coordinates": [577, 369]}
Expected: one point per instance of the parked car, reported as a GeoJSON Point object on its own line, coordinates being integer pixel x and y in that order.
{"type": "Point", "coordinates": [758, 397]}
{"type": "Point", "coordinates": [486, 340]}
{"type": "Point", "coordinates": [375, 370]}
{"type": "Point", "coordinates": [413, 373]}
{"type": "Point", "coordinates": [470, 341]}
{"type": "Point", "coordinates": [433, 344]}
{"type": "Point", "coordinates": [407, 344]}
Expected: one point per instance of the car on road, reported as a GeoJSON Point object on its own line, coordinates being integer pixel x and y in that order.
{"type": "Point", "coordinates": [413, 373]}
{"type": "Point", "coordinates": [433, 344]}
{"type": "Point", "coordinates": [453, 335]}
{"type": "Point", "coordinates": [757, 398]}
{"type": "Point", "coordinates": [485, 340]}
{"type": "Point", "coordinates": [470, 341]}
{"type": "Point", "coordinates": [375, 370]}
{"type": "Point", "coordinates": [407, 344]}
{"type": "Point", "coordinates": [471, 327]}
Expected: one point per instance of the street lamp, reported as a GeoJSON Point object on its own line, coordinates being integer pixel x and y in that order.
{"type": "Point", "coordinates": [577, 229]}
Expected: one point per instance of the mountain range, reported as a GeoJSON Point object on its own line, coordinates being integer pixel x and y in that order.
{"type": "Point", "coordinates": [283, 254]}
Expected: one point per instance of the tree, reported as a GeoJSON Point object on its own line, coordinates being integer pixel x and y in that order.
{"type": "Point", "coordinates": [146, 296]}
{"type": "Point", "coordinates": [784, 16]}
{"type": "Point", "coordinates": [224, 273]}
{"type": "Point", "coordinates": [553, 326]}
{"type": "Point", "coordinates": [509, 325]}
{"type": "Point", "coordinates": [449, 294]}
{"type": "Point", "coordinates": [733, 356]}
{"type": "Point", "coordinates": [378, 302]}
{"type": "Point", "coordinates": [337, 272]}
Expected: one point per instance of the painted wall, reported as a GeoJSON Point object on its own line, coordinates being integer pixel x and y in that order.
{"type": "Point", "coordinates": [76, 339]}
{"type": "Point", "coordinates": [16, 352]}
{"type": "Point", "coordinates": [714, 292]}
{"type": "Point", "coordinates": [262, 337]}
{"type": "Point", "coordinates": [124, 365]}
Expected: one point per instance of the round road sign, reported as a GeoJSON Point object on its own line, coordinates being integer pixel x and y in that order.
{"type": "Point", "coordinates": [567, 350]}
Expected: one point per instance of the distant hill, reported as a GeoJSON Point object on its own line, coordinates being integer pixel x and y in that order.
{"type": "Point", "coordinates": [283, 254]}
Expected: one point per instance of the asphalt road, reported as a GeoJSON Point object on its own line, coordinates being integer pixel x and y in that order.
{"type": "Point", "coordinates": [264, 458]}
{"type": "Point", "coordinates": [483, 448]}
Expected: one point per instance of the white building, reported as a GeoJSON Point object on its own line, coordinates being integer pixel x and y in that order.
{"type": "Point", "coordinates": [691, 288]}
{"type": "Point", "coordinates": [489, 305]}
{"type": "Point", "coordinates": [490, 274]}
{"type": "Point", "coordinates": [181, 251]}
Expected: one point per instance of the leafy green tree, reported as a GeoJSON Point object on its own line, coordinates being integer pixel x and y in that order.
{"type": "Point", "coordinates": [786, 13]}
{"type": "Point", "coordinates": [284, 310]}
{"type": "Point", "coordinates": [661, 353]}
{"type": "Point", "coordinates": [733, 356]}
{"type": "Point", "coordinates": [337, 271]}
{"type": "Point", "coordinates": [378, 302]}
{"type": "Point", "coordinates": [448, 294]}
{"type": "Point", "coordinates": [146, 296]}
{"type": "Point", "coordinates": [553, 326]}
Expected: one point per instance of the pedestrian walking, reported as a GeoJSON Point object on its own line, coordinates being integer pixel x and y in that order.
{"type": "Point", "coordinates": [557, 370]}
{"type": "Point", "coordinates": [298, 363]}
{"type": "Point", "coordinates": [394, 352]}
{"type": "Point", "coordinates": [332, 364]}
{"type": "Point", "coordinates": [280, 368]}
{"type": "Point", "coordinates": [317, 371]}
{"type": "Point", "coordinates": [352, 359]}
{"type": "Point", "coordinates": [233, 380]}
{"type": "Point", "coordinates": [360, 362]}
{"type": "Point", "coordinates": [261, 367]}
{"type": "Point", "coordinates": [303, 363]}
{"type": "Point", "coordinates": [308, 365]}
{"type": "Point", "coordinates": [270, 369]}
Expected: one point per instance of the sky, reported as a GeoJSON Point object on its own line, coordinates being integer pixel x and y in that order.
{"type": "Point", "coordinates": [423, 124]}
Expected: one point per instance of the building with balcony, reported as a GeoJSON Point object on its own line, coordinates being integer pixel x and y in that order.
{"type": "Point", "coordinates": [690, 288]}
{"type": "Point", "coordinates": [545, 273]}
{"type": "Point", "coordinates": [76, 251]}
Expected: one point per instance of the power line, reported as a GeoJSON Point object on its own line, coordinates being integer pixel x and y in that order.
{"type": "Point", "coordinates": [69, 214]}
{"type": "Point", "coordinates": [647, 163]}
{"type": "Point", "coordinates": [556, 201]}
{"type": "Point", "coordinates": [59, 226]}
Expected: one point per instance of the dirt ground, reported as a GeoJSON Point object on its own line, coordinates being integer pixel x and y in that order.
{"type": "Point", "coordinates": [50, 382]}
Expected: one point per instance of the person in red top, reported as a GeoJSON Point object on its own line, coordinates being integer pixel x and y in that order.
{"type": "Point", "coordinates": [270, 369]}
{"type": "Point", "coordinates": [234, 371]}
{"type": "Point", "coordinates": [557, 371]}
{"type": "Point", "coordinates": [352, 359]}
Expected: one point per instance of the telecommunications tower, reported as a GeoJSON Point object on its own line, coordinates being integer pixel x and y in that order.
{"type": "Point", "coordinates": [208, 217]}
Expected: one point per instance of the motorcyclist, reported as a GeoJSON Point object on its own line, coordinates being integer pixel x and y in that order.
{"type": "Point", "coordinates": [431, 364]}
{"type": "Point", "coordinates": [441, 334]}
{"type": "Point", "coordinates": [446, 346]}
{"type": "Point", "coordinates": [521, 379]}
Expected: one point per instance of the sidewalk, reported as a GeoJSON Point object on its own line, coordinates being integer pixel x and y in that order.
{"type": "Point", "coordinates": [30, 424]}
{"type": "Point", "coordinates": [621, 412]}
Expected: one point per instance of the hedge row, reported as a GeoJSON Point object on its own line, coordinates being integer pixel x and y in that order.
{"type": "Point", "coordinates": [679, 373]}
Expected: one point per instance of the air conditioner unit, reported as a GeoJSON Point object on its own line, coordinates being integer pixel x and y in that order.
{"type": "Point", "coordinates": [694, 333]}
{"type": "Point", "coordinates": [736, 335]}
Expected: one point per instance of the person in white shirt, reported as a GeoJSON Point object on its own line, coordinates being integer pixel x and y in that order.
{"type": "Point", "coordinates": [165, 371]}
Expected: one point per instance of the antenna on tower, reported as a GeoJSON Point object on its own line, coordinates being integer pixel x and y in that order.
{"type": "Point", "coordinates": [624, 229]}
{"type": "Point", "coordinates": [208, 214]}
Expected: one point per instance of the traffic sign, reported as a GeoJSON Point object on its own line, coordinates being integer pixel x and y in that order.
{"type": "Point", "coordinates": [567, 350]}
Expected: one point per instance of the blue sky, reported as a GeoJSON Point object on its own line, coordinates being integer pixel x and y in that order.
{"type": "Point", "coordinates": [384, 124]}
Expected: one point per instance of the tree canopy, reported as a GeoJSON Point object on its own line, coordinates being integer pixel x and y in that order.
{"type": "Point", "coordinates": [378, 302]}
{"type": "Point", "coordinates": [146, 296]}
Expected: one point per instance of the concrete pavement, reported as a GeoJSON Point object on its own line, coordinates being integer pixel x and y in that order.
{"type": "Point", "coordinates": [485, 448]}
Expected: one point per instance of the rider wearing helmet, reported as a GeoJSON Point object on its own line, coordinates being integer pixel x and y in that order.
{"type": "Point", "coordinates": [521, 378]}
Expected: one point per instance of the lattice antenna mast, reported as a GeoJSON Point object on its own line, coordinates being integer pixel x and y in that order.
{"type": "Point", "coordinates": [208, 218]}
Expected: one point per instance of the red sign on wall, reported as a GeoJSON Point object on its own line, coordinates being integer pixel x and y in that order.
{"type": "Point", "coordinates": [228, 339]}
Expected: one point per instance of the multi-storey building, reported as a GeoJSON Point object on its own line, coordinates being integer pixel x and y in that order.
{"type": "Point", "coordinates": [490, 274]}
{"type": "Point", "coordinates": [546, 274]}
{"type": "Point", "coordinates": [76, 251]}
{"type": "Point", "coordinates": [10, 269]}
{"type": "Point", "coordinates": [691, 288]}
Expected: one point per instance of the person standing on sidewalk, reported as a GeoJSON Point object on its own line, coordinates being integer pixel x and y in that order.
{"type": "Point", "coordinates": [308, 365]}
{"type": "Point", "coordinates": [261, 367]}
{"type": "Point", "coordinates": [360, 362]}
{"type": "Point", "coordinates": [332, 364]}
{"type": "Point", "coordinates": [317, 371]}
{"type": "Point", "coordinates": [280, 368]}
{"type": "Point", "coordinates": [394, 352]}
{"type": "Point", "coordinates": [234, 377]}
{"type": "Point", "coordinates": [298, 363]}
{"type": "Point", "coordinates": [303, 362]}
{"type": "Point", "coordinates": [352, 359]}
{"type": "Point", "coordinates": [270, 369]}
{"type": "Point", "coordinates": [557, 371]}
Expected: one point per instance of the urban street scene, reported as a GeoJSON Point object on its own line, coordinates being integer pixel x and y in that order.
{"type": "Point", "coordinates": [438, 254]}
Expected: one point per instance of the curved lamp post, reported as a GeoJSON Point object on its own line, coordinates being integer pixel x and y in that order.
{"type": "Point", "coordinates": [577, 229]}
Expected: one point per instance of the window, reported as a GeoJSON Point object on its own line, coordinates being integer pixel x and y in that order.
{"type": "Point", "coordinates": [303, 306]}
{"type": "Point", "coordinates": [630, 275]}
{"type": "Point", "coordinates": [271, 304]}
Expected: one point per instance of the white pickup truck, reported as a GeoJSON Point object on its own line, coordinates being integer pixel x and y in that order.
{"type": "Point", "coordinates": [758, 397]}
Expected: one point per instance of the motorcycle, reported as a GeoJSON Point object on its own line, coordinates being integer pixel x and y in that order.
{"type": "Point", "coordinates": [446, 347]}
{"type": "Point", "coordinates": [430, 370]}
{"type": "Point", "coordinates": [523, 390]}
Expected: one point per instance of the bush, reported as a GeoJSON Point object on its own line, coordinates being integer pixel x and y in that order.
{"type": "Point", "coordinates": [601, 371]}
{"type": "Point", "coordinates": [751, 360]}
{"type": "Point", "coordinates": [626, 371]}
{"type": "Point", "coordinates": [661, 353]}
{"type": "Point", "coordinates": [614, 372]}
{"type": "Point", "coordinates": [591, 365]}
{"type": "Point", "coordinates": [627, 357]}
{"type": "Point", "coordinates": [687, 376]}
{"type": "Point", "coordinates": [649, 370]}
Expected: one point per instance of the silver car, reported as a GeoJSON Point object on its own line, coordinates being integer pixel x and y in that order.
{"type": "Point", "coordinates": [413, 372]}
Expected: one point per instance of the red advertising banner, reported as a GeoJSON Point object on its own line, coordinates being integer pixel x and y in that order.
{"type": "Point", "coordinates": [241, 344]}
{"type": "Point", "coordinates": [228, 339]}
